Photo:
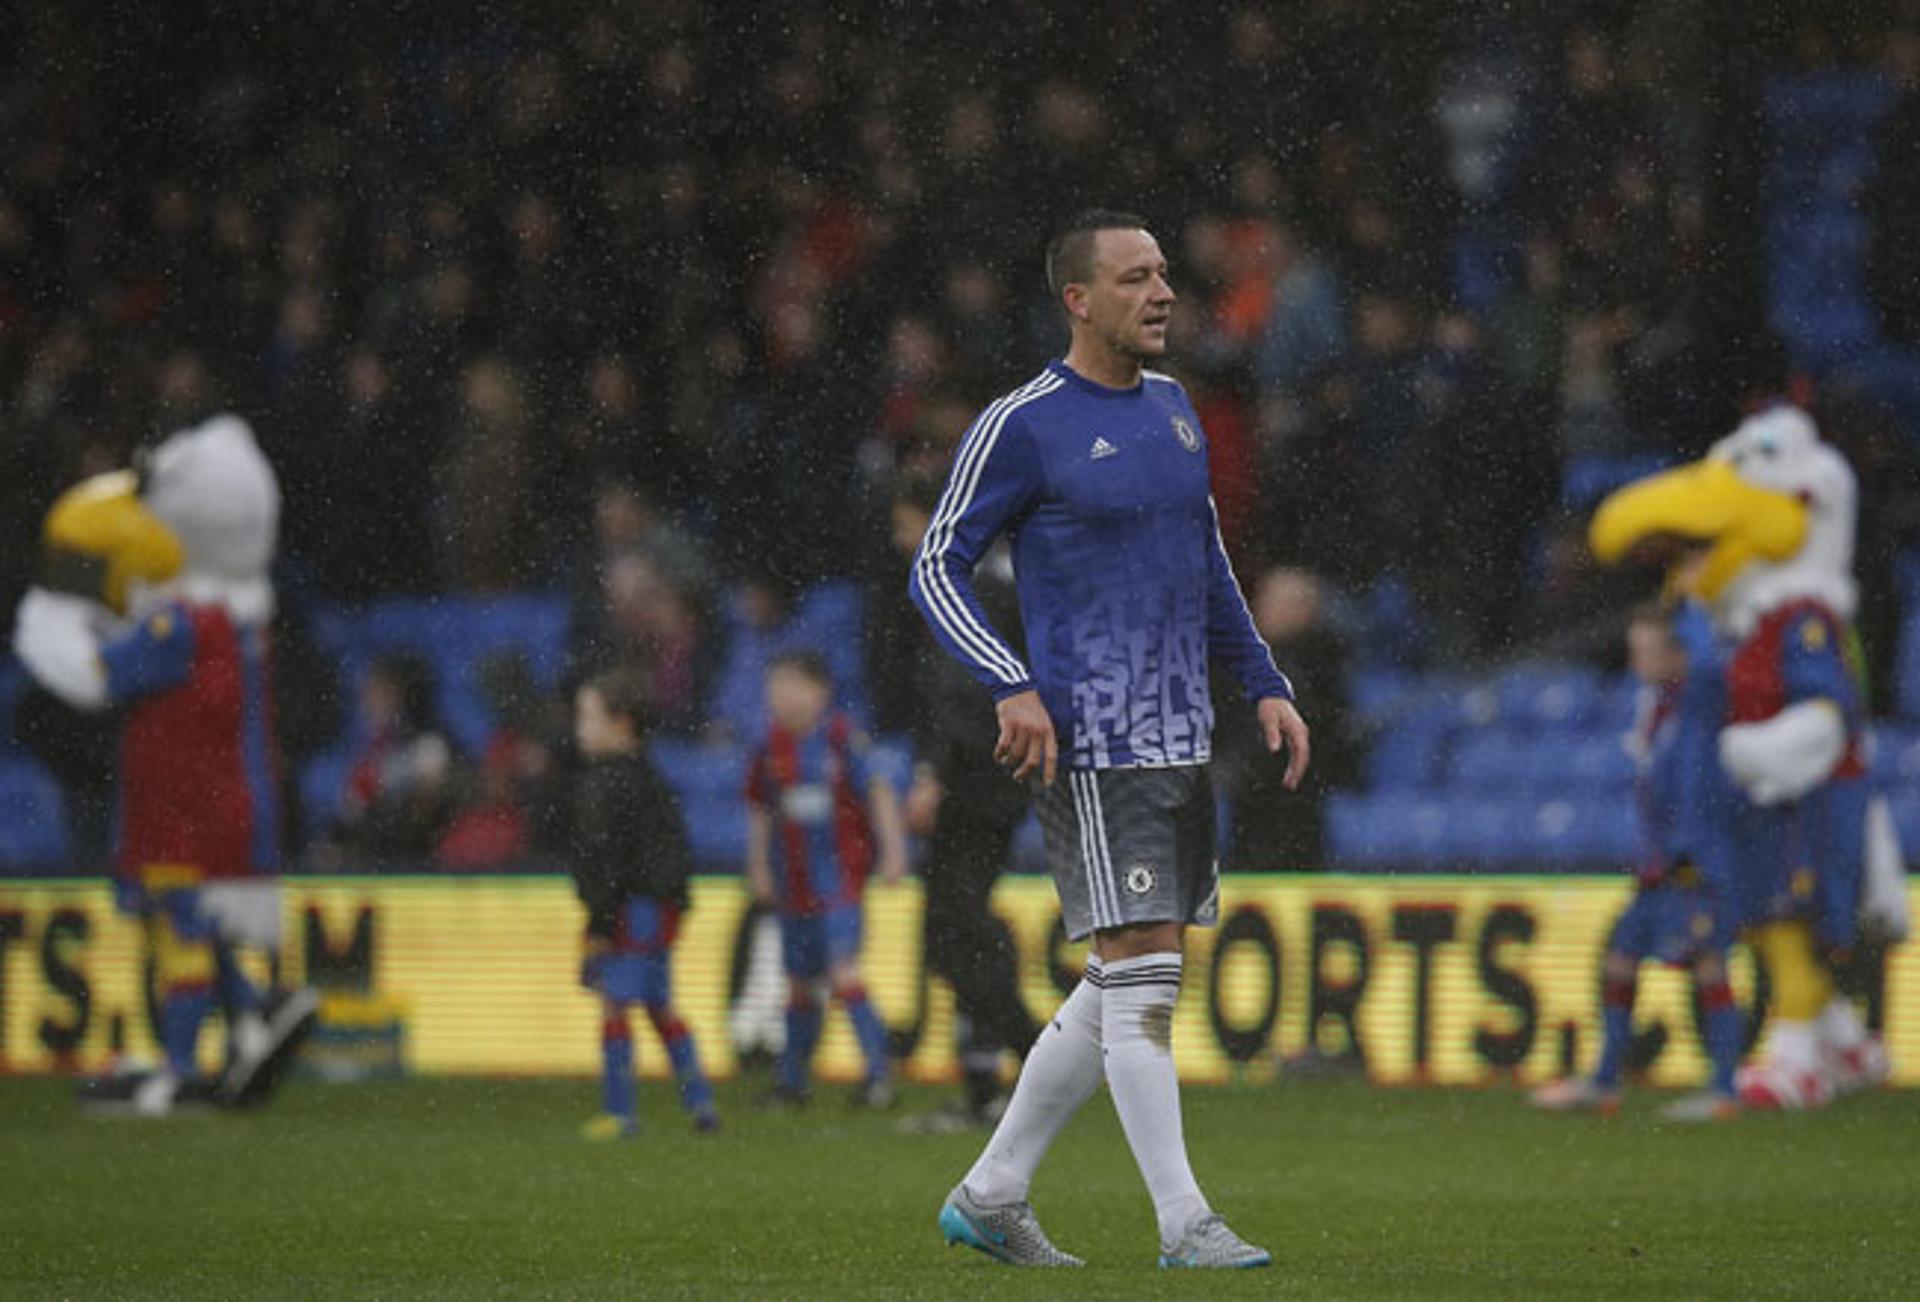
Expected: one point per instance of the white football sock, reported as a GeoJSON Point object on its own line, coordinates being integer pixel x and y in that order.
{"type": "Point", "coordinates": [1136, 1019]}
{"type": "Point", "coordinates": [1840, 1026]}
{"type": "Point", "coordinates": [1061, 1072]}
{"type": "Point", "coordinates": [1795, 1045]}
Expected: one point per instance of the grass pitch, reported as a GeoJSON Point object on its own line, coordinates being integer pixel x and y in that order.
{"type": "Point", "coordinates": [469, 1189]}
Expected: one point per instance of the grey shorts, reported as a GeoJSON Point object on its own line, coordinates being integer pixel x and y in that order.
{"type": "Point", "coordinates": [1131, 846]}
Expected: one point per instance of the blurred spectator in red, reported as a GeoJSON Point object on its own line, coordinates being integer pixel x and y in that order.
{"type": "Point", "coordinates": [400, 780]}
{"type": "Point", "coordinates": [511, 802]}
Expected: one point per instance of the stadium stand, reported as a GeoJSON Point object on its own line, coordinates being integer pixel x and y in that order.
{"type": "Point", "coordinates": [1504, 767]}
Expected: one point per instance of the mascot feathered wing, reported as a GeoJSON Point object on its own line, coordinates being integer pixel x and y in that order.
{"type": "Point", "coordinates": [1766, 521]}
{"type": "Point", "coordinates": [199, 523]}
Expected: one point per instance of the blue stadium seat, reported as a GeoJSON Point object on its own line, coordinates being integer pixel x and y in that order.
{"type": "Point", "coordinates": [322, 779]}
{"type": "Point", "coordinates": [1906, 670]}
{"type": "Point", "coordinates": [1906, 820]}
{"type": "Point", "coordinates": [1598, 763]}
{"type": "Point", "coordinates": [1550, 696]}
{"type": "Point", "coordinates": [1896, 757]}
{"type": "Point", "coordinates": [1395, 633]}
{"type": "Point", "coordinates": [695, 769]}
{"type": "Point", "coordinates": [456, 637]}
{"type": "Point", "coordinates": [1544, 764]}
{"type": "Point", "coordinates": [1029, 853]}
{"type": "Point", "coordinates": [711, 784]}
{"type": "Point", "coordinates": [1906, 562]}
{"type": "Point", "coordinates": [717, 832]}
{"type": "Point", "coordinates": [1386, 830]}
{"type": "Point", "coordinates": [15, 683]}
{"type": "Point", "coordinates": [1353, 835]}
{"type": "Point", "coordinates": [1491, 759]}
{"type": "Point", "coordinates": [1483, 832]}
{"type": "Point", "coordinates": [1407, 756]}
{"type": "Point", "coordinates": [1619, 705]}
{"type": "Point", "coordinates": [1378, 694]}
{"type": "Point", "coordinates": [1500, 834]}
{"type": "Point", "coordinates": [1814, 107]}
{"type": "Point", "coordinates": [1589, 832]}
{"type": "Point", "coordinates": [892, 759]}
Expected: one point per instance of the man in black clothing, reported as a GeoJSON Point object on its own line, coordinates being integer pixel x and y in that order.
{"type": "Point", "coordinates": [968, 809]}
{"type": "Point", "coordinates": [1275, 828]}
{"type": "Point", "coordinates": [630, 861]}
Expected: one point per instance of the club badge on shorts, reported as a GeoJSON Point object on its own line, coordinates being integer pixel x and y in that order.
{"type": "Point", "coordinates": [1184, 431]}
{"type": "Point", "coordinates": [1139, 879]}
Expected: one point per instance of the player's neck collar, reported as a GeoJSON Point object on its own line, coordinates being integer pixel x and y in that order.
{"type": "Point", "coordinates": [1060, 368]}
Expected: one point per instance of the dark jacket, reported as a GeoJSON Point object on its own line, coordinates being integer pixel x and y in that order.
{"type": "Point", "coordinates": [628, 840]}
{"type": "Point", "coordinates": [956, 725]}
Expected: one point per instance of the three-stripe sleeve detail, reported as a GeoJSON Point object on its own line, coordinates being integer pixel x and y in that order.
{"type": "Point", "coordinates": [944, 602]}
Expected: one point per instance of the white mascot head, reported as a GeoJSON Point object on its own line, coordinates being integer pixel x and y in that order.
{"type": "Point", "coordinates": [214, 488]}
{"type": "Point", "coordinates": [1773, 506]}
{"type": "Point", "coordinates": [1780, 449]}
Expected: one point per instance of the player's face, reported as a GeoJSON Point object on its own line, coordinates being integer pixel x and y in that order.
{"type": "Point", "coordinates": [595, 730]}
{"type": "Point", "coordinates": [797, 701]}
{"type": "Point", "coordinates": [1128, 299]}
{"type": "Point", "coordinates": [380, 703]}
{"type": "Point", "coordinates": [1653, 656]}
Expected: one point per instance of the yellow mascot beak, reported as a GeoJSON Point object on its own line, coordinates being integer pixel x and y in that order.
{"type": "Point", "coordinates": [1709, 502]}
{"type": "Point", "coordinates": [99, 538]}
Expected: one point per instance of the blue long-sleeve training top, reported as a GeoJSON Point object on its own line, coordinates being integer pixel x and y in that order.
{"type": "Point", "coordinates": [1125, 587]}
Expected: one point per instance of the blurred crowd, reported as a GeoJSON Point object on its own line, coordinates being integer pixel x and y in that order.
{"type": "Point", "coordinates": [655, 306]}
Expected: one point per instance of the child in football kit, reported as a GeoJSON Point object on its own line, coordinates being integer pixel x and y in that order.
{"type": "Point", "coordinates": [630, 865]}
{"type": "Point", "coordinates": [816, 819]}
{"type": "Point", "coordinates": [1674, 917]}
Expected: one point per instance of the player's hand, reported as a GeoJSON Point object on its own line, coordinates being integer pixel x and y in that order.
{"type": "Point", "coordinates": [922, 805]}
{"type": "Point", "coordinates": [760, 884]}
{"type": "Point", "coordinates": [1282, 725]}
{"type": "Point", "coordinates": [1027, 743]}
{"type": "Point", "coordinates": [893, 868]}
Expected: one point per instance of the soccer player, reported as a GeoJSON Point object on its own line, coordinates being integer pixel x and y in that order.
{"type": "Point", "coordinates": [816, 819]}
{"type": "Point", "coordinates": [1672, 918]}
{"type": "Point", "coordinates": [630, 865]}
{"type": "Point", "coordinates": [1096, 470]}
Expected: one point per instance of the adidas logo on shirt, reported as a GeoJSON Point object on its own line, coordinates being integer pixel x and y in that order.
{"type": "Point", "coordinates": [1102, 448]}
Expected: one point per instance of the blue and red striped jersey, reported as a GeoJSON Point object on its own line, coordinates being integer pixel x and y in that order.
{"type": "Point", "coordinates": [199, 767]}
{"type": "Point", "coordinates": [814, 787]}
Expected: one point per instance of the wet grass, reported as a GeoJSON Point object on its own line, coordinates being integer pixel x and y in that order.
{"type": "Point", "coordinates": [480, 1189]}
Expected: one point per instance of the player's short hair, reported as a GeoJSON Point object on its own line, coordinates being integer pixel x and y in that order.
{"type": "Point", "coordinates": [624, 694]}
{"type": "Point", "coordinates": [808, 662]}
{"type": "Point", "coordinates": [1652, 614]}
{"type": "Point", "coordinates": [1070, 251]}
